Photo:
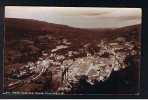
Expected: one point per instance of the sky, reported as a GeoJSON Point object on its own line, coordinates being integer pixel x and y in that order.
{"type": "Point", "coordinates": [82, 17]}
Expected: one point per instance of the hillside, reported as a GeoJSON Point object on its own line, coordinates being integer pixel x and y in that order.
{"type": "Point", "coordinates": [27, 26]}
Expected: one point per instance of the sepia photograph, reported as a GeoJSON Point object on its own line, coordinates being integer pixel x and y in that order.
{"type": "Point", "coordinates": [72, 50]}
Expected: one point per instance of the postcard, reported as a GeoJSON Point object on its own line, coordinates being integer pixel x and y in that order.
{"type": "Point", "coordinates": [72, 50]}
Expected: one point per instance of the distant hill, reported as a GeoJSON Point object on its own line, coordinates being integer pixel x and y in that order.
{"type": "Point", "coordinates": [25, 27]}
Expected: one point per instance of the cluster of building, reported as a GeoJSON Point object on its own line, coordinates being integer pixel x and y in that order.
{"type": "Point", "coordinates": [98, 67]}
